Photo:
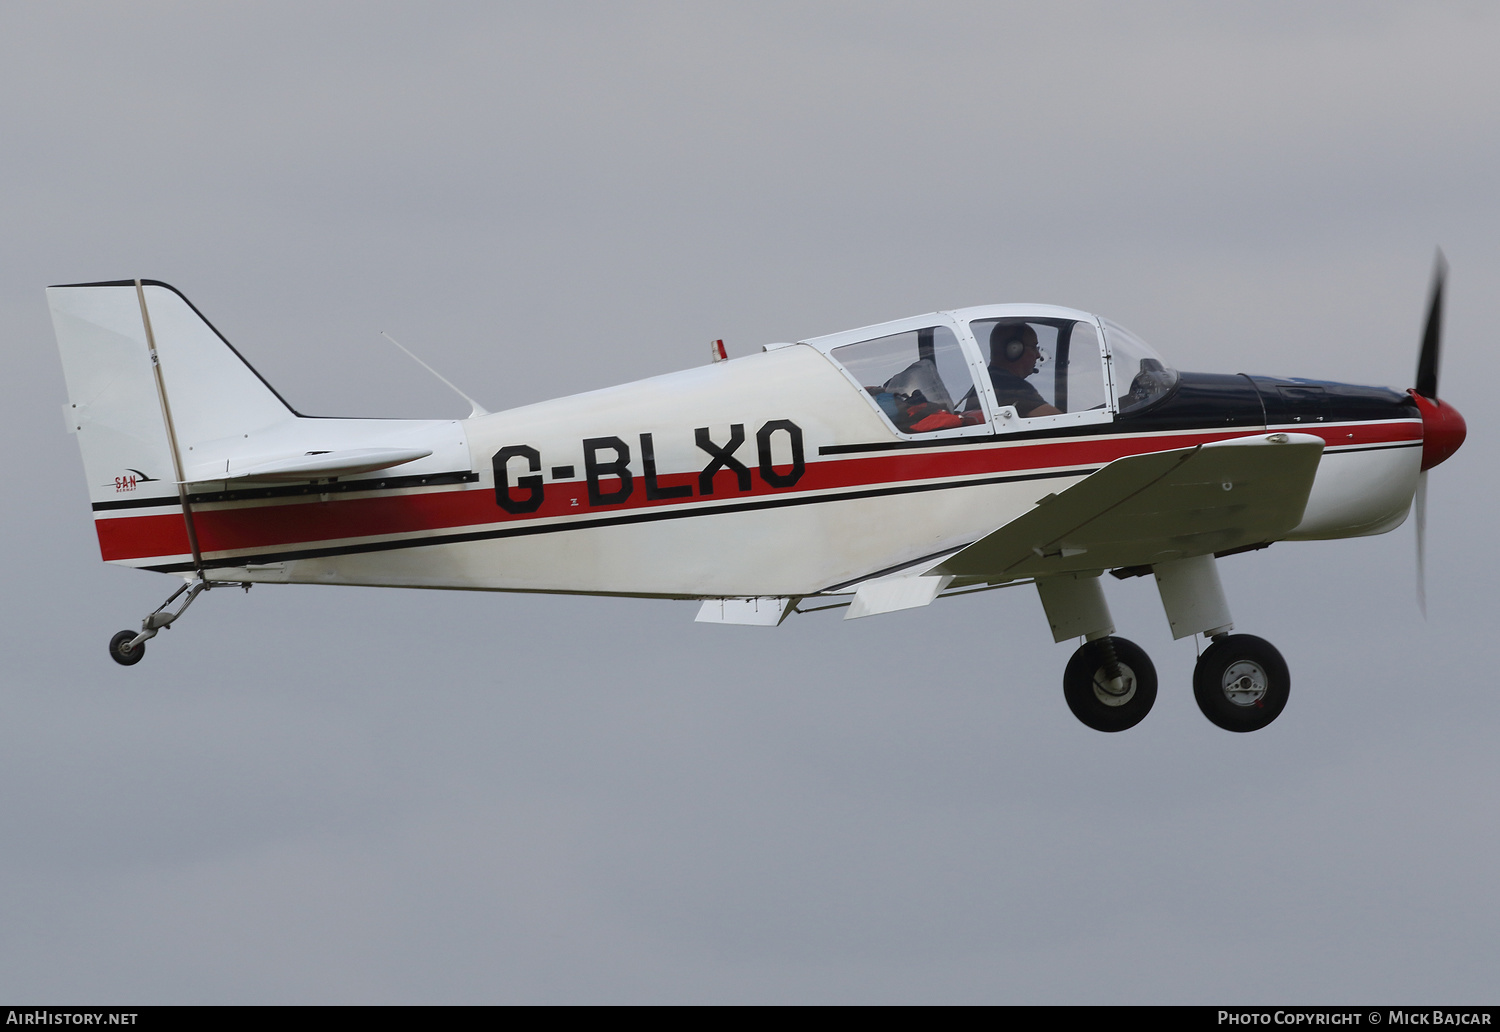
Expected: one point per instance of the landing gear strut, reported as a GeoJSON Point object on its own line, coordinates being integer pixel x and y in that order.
{"type": "Point", "coordinates": [1241, 682]}
{"type": "Point", "coordinates": [1110, 684]}
{"type": "Point", "coordinates": [129, 647]}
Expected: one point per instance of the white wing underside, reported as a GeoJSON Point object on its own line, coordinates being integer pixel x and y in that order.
{"type": "Point", "coordinates": [1136, 511]}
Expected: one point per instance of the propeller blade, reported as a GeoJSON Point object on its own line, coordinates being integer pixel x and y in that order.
{"type": "Point", "coordinates": [1432, 335]}
{"type": "Point", "coordinates": [1420, 505]}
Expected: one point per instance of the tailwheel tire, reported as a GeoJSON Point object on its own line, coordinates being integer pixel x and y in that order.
{"type": "Point", "coordinates": [121, 652]}
{"type": "Point", "coordinates": [1241, 683]}
{"type": "Point", "coordinates": [1098, 699]}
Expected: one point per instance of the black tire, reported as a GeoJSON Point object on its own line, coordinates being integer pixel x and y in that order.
{"type": "Point", "coordinates": [1086, 685]}
{"type": "Point", "coordinates": [123, 656]}
{"type": "Point", "coordinates": [1241, 683]}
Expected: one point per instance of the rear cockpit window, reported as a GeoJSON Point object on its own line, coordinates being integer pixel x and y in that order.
{"type": "Point", "coordinates": [920, 379]}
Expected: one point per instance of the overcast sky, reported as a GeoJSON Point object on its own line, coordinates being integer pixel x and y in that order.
{"type": "Point", "coordinates": [333, 795]}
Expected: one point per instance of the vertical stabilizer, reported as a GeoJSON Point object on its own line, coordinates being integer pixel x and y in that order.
{"type": "Point", "coordinates": [114, 405]}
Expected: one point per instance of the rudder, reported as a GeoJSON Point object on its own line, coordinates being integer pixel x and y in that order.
{"type": "Point", "coordinates": [114, 405]}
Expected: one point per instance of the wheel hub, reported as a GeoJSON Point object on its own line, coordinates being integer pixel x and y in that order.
{"type": "Point", "coordinates": [1114, 691]}
{"type": "Point", "coordinates": [1245, 683]}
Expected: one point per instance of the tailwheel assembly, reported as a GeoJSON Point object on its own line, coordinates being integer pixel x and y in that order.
{"type": "Point", "coordinates": [1241, 682]}
{"type": "Point", "coordinates": [127, 648]}
{"type": "Point", "coordinates": [1110, 684]}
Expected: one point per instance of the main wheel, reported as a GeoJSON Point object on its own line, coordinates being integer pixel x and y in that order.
{"type": "Point", "coordinates": [121, 652]}
{"type": "Point", "coordinates": [1101, 702]}
{"type": "Point", "coordinates": [1241, 683]}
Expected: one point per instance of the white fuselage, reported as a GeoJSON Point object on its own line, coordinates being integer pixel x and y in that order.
{"type": "Point", "coordinates": [847, 515]}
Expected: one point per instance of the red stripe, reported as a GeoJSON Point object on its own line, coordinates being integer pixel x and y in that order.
{"type": "Point", "coordinates": [262, 527]}
{"type": "Point", "coordinates": [139, 537]}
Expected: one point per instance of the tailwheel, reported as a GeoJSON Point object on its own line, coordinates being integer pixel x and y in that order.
{"type": "Point", "coordinates": [123, 652]}
{"type": "Point", "coordinates": [129, 647]}
{"type": "Point", "coordinates": [1241, 682]}
{"type": "Point", "coordinates": [1110, 684]}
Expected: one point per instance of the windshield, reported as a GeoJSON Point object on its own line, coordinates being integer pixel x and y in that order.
{"type": "Point", "coordinates": [1140, 375]}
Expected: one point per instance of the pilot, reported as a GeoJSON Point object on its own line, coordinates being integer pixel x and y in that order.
{"type": "Point", "coordinates": [1014, 355]}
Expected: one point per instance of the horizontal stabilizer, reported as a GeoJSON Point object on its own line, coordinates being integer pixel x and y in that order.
{"type": "Point", "coordinates": [313, 465]}
{"type": "Point", "coordinates": [1154, 508]}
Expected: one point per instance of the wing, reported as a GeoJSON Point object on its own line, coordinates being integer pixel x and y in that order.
{"type": "Point", "coordinates": [1153, 508]}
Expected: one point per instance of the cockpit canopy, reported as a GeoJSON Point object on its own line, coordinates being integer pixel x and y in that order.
{"type": "Point", "coordinates": [999, 368]}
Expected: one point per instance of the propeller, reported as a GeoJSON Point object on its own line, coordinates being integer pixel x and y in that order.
{"type": "Point", "coordinates": [1421, 507]}
{"type": "Point", "coordinates": [1432, 334]}
{"type": "Point", "coordinates": [1443, 429]}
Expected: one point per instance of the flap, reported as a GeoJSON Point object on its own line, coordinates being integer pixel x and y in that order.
{"type": "Point", "coordinates": [889, 594]}
{"type": "Point", "coordinates": [1155, 508]}
{"type": "Point", "coordinates": [753, 612]}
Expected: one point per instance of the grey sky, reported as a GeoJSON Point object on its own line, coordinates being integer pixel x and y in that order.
{"type": "Point", "coordinates": [348, 795]}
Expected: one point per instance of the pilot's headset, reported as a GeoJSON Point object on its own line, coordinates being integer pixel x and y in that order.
{"type": "Point", "coordinates": [1011, 340]}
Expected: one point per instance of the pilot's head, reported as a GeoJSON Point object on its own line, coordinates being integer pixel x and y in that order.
{"type": "Point", "coordinates": [1013, 348]}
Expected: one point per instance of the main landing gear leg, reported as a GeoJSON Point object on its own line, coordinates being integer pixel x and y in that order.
{"type": "Point", "coordinates": [129, 647]}
{"type": "Point", "coordinates": [1241, 682]}
{"type": "Point", "coordinates": [1110, 683]}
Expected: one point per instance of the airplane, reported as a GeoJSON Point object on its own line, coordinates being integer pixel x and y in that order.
{"type": "Point", "coordinates": [875, 470]}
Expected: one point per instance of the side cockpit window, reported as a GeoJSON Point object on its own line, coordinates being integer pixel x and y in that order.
{"type": "Point", "coordinates": [1042, 367]}
{"type": "Point", "coordinates": [920, 379]}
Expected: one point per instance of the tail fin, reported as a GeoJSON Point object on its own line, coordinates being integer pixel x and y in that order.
{"type": "Point", "coordinates": [114, 404]}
